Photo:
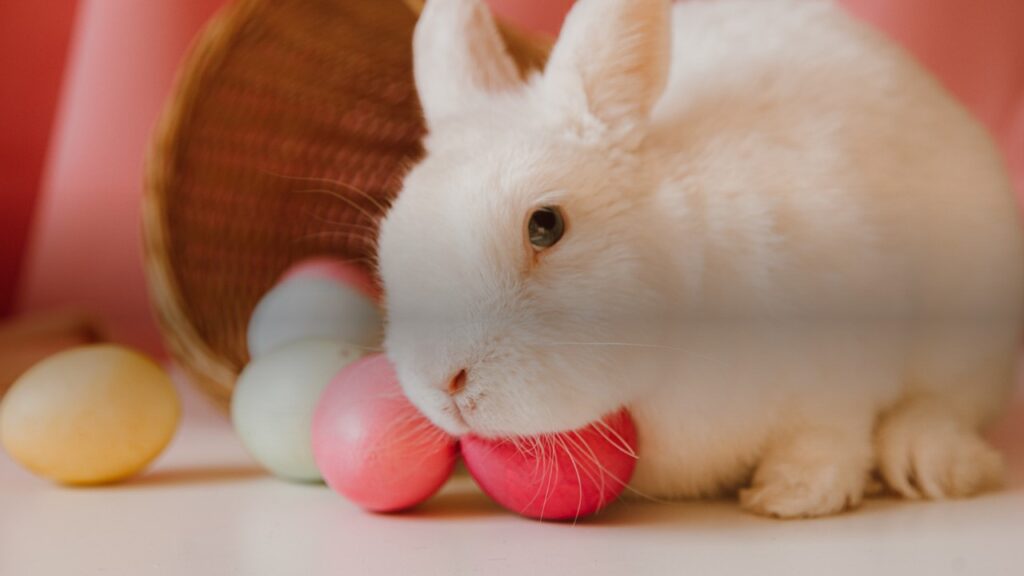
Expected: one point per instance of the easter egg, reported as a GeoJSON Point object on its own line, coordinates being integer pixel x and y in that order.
{"type": "Point", "coordinates": [373, 446]}
{"type": "Point", "coordinates": [318, 298]}
{"type": "Point", "coordinates": [561, 476]}
{"type": "Point", "coordinates": [337, 271]}
{"type": "Point", "coordinates": [89, 415]}
{"type": "Point", "coordinates": [274, 399]}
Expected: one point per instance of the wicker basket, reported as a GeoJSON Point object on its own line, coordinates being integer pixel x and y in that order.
{"type": "Point", "coordinates": [287, 135]}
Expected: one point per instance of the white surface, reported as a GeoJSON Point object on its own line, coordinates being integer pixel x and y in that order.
{"type": "Point", "coordinates": [206, 509]}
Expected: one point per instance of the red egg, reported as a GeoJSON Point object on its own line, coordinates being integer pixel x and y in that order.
{"type": "Point", "coordinates": [373, 446]}
{"type": "Point", "coordinates": [561, 476]}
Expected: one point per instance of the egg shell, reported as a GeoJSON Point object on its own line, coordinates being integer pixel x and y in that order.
{"type": "Point", "coordinates": [562, 476]}
{"type": "Point", "coordinates": [373, 446]}
{"type": "Point", "coordinates": [337, 271]}
{"type": "Point", "coordinates": [274, 400]}
{"type": "Point", "coordinates": [90, 415]}
{"type": "Point", "coordinates": [318, 299]}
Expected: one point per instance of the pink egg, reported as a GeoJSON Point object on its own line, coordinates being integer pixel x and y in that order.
{"type": "Point", "coordinates": [372, 446]}
{"type": "Point", "coordinates": [559, 476]}
{"type": "Point", "coordinates": [337, 270]}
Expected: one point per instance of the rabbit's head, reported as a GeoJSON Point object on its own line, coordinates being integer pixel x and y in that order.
{"type": "Point", "coordinates": [518, 259]}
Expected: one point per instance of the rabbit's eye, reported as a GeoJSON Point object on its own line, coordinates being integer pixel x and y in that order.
{"type": "Point", "coordinates": [546, 227]}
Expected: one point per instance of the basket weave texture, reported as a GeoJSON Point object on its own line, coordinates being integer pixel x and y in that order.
{"type": "Point", "coordinates": [289, 131]}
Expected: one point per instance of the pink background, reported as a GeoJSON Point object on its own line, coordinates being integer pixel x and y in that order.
{"type": "Point", "coordinates": [84, 249]}
{"type": "Point", "coordinates": [33, 44]}
{"type": "Point", "coordinates": [75, 129]}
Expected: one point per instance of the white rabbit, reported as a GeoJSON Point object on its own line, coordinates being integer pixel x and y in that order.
{"type": "Point", "coordinates": [756, 223]}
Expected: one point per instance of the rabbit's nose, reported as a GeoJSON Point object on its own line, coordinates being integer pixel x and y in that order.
{"type": "Point", "coordinates": [457, 383]}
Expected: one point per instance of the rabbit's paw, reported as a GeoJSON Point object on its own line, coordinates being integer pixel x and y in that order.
{"type": "Point", "coordinates": [925, 452]}
{"type": "Point", "coordinates": [812, 476]}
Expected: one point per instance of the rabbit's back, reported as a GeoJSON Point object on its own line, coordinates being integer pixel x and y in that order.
{"type": "Point", "coordinates": [823, 170]}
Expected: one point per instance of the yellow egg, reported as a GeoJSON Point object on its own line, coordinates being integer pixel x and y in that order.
{"type": "Point", "coordinates": [91, 415]}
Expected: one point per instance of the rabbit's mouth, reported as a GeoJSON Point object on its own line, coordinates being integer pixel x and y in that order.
{"type": "Point", "coordinates": [457, 422]}
{"type": "Point", "coordinates": [466, 404]}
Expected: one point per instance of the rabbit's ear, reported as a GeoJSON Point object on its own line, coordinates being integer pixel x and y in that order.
{"type": "Point", "coordinates": [611, 62]}
{"type": "Point", "coordinates": [459, 56]}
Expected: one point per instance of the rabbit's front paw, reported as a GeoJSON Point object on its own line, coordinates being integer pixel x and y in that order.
{"type": "Point", "coordinates": [925, 451]}
{"type": "Point", "coordinates": [811, 476]}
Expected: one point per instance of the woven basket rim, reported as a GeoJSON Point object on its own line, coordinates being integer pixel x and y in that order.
{"type": "Point", "coordinates": [204, 58]}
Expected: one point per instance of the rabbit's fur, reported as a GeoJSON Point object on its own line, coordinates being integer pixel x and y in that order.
{"type": "Point", "coordinates": [790, 253]}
